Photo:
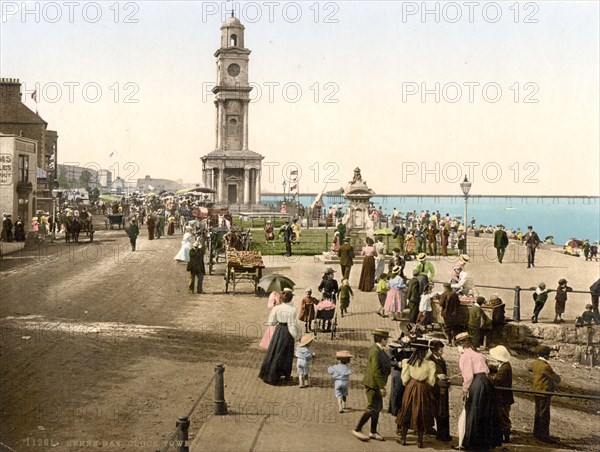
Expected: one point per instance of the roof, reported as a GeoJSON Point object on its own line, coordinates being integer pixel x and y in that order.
{"type": "Point", "coordinates": [18, 113]}
{"type": "Point", "coordinates": [233, 155]}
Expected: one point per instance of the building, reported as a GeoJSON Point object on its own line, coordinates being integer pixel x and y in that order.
{"type": "Point", "coordinates": [18, 182]}
{"type": "Point", "coordinates": [232, 169]}
{"type": "Point", "coordinates": [151, 184]}
{"type": "Point", "coordinates": [70, 176]}
{"type": "Point", "coordinates": [105, 179]}
{"type": "Point", "coordinates": [18, 120]}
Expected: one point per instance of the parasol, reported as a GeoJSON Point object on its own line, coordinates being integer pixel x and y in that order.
{"type": "Point", "coordinates": [275, 282]}
{"type": "Point", "coordinates": [574, 243]}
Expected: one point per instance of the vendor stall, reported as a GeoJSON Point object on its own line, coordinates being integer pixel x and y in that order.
{"type": "Point", "coordinates": [243, 265]}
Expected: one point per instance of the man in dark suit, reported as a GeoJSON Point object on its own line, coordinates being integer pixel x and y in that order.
{"type": "Point", "coordinates": [532, 241]}
{"type": "Point", "coordinates": [544, 379]}
{"type": "Point", "coordinates": [500, 242]}
{"type": "Point", "coordinates": [346, 255]}
{"type": "Point", "coordinates": [377, 372]}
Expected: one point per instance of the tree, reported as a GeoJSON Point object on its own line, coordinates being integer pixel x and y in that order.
{"type": "Point", "coordinates": [85, 179]}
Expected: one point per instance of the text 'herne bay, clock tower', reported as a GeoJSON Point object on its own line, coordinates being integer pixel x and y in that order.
{"type": "Point", "coordinates": [232, 169]}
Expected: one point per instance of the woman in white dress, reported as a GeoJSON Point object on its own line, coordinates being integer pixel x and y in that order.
{"type": "Point", "coordinates": [186, 245]}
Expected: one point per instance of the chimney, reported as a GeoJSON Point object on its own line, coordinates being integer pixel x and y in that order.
{"type": "Point", "coordinates": [10, 90]}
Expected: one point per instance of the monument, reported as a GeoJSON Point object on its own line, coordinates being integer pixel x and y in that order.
{"type": "Point", "coordinates": [232, 169]}
{"type": "Point", "coordinates": [357, 220]}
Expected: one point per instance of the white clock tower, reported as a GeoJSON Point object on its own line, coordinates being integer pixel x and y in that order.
{"type": "Point", "coordinates": [232, 169]}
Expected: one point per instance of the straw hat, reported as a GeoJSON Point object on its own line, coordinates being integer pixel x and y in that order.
{"type": "Point", "coordinates": [500, 353]}
{"type": "Point", "coordinates": [421, 257]}
{"type": "Point", "coordinates": [396, 270]}
{"type": "Point", "coordinates": [307, 339]}
{"type": "Point", "coordinates": [308, 290]}
{"type": "Point", "coordinates": [343, 354]}
{"type": "Point", "coordinates": [464, 258]}
{"type": "Point", "coordinates": [287, 289]}
{"type": "Point", "coordinates": [462, 336]}
{"type": "Point", "coordinates": [380, 332]}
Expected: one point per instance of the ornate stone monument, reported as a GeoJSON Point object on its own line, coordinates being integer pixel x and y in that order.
{"type": "Point", "coordinates": [357, 221]}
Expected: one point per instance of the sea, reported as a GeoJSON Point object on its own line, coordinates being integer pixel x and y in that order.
{"type": "Point", "coordinates": [562, 217]}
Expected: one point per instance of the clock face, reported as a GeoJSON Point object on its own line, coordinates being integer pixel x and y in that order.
{"type": "Point", "coordinates": [233, 70]}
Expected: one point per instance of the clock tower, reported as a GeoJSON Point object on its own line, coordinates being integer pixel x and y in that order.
{"type": "Point", "coordinates": [232, 169]}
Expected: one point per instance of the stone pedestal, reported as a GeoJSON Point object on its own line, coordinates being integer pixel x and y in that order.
{"type": "Point", "coordinates": [358, 222]}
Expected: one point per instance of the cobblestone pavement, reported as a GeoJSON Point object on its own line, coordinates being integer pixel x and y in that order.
{"type": "Point", "coordinates": [102, 347]}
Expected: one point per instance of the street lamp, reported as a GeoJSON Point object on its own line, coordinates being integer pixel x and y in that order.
{"type": "Point", "coordinates": [54, 195]}
{"type": "Point", "coordinates": [283, 185]}
{"type": "Point", "coordinates": [465, 187]}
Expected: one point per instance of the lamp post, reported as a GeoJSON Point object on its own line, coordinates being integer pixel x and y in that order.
{"type": "Point", "coordinates": [283, 185]}
{"type": "Point", "coordinates": [54, 195]}
{"type": "Point", "coordinates": [465, 187]}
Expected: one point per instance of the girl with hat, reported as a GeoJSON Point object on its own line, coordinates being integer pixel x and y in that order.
{"type": "Point", "coordinates": [340, 373]}
{"type": "Point", "coordinates": [502, 377]}
{"type": "Point", "coordinates": [307, 309]}
{"type": "Point", "coordinates": [400, 350]}
{"type": "Point", "coordinates": [186, 242]}
{"type": "Point", "coordinates": [418, 376]}
{"type": "Point", "coordinates": [269, 232]}
{"type": "Point", "coordinates": [303, 358]}
{"type": "Point", "coordinates": [463, 259]}
{"type": "Point", "coordinates": [561, 299]}
{"type": "Point", "coordinates": [274, 300]}
{"type": "Point", "coordinates": [278, 360]}
{"type": "Point", "coordinates": [482, 427]}
{"type": "Point", "coordinates": [395, 300]}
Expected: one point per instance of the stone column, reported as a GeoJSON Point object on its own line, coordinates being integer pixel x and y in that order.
{"type": "Point", "coordinates": [245, 136]}
{"type": "Point", "coordinates": [220, 128]}
{"type": "Point", "coordinates": [257, 187]}
{"type": "Point", "coordinates": [220, 190]}
{"type": "Point", "coordinates": [246, 186]}
{"type": "Point", "coordinates": [217, 110]}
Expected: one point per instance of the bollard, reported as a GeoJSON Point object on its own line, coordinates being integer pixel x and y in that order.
{"type": "Point", "coordinates": [517, 304]}
{"type": "Point", "coordinates": [183, 426]}
{"type": "Point", "coordinates": [220, 406]}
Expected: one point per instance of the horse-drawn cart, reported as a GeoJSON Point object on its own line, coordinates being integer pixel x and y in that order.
{"type": "Point", "coordinates": [243, 266]}
{"type": "Point", "coordinates": [114, 219]}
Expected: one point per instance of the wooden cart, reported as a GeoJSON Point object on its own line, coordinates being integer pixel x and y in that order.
{"type": "Point", "coordinates": [243, 266]}
{"type": "Point", "coordinates": [496, 313]}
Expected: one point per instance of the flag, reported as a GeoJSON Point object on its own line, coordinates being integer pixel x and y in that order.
{"type": "Point", "coordinates": [34, 96]}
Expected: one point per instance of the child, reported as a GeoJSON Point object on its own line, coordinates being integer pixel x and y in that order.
{"type": "Point", "coordinates": [539, 296]}
{"type": "Point", "coordinates": [561, 299]}
{"type": "Point", "coordinates": [345, 294]}
{"type": "Point", "coordinates": [307, 310]}
{"type": "Point", "coordinates": [587, 317]}
{"type": "Point", "coordinates": [304, 355]}
{"type": "Point", "coordinates": [381, 289]}
{"type": "Point", "coordinates": [341, 377]}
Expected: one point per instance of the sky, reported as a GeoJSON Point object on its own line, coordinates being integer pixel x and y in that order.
{"type": "Point", "coordinates": [415, 94]}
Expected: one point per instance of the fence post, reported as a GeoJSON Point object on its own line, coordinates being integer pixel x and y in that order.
{"type": "Point", "coordinates": [327, 241]}
{"type": "Point", "coordinates": [220, 406]}
{"type": "Point", "coordinates": [517, 304]}
{"type": "Point", "coordinates": [183, 426]}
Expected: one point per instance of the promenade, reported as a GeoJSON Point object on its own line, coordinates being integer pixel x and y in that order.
{"type": "Point", "coordinates": [102, 347]}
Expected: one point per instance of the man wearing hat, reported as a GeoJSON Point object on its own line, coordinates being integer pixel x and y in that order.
{"type": "Point", "coordinates": [376, 374]}
{"type": "Point", "coordinates": [133, 231]}
{"type": "Point", "coordinates": [413, 295]}
{"type": "Point", "coordinates": [425, 267]}
{"type": "Point", "coordinates": [450, 306]}
{"type": "Point", "coordinates": [7, 228]}
{"type": "Point", "coordinates": [346, 255]}
{"type": "Point", "coordinates": [532, 241]}
{"type": "Point", "coordinates": [500, 242]}
{"type": "Point", "coordinates": [196, 266]}
{"type": "Point", "coordinates": [544, 379]}
{"type": "Point", "coordinates": [502, 377]}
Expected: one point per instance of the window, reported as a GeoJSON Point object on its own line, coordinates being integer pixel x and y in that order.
{"type": "Point", "coordinates": [23, 168]}
{"type": "Point", "coordinates": [234, 40]}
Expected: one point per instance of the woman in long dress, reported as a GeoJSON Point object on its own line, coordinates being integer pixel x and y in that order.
{"type": "Point", "coordinates": [482, 428]}
{"type": "Point", "coordinates": [395, 301]}
{"type": "Point", "coordinates": [274, 300]}
{"type": "Point", "coordinates": [277, 362]}
{"type": "Point", "coordinates": [186, 245]}
{"type": "Point", "coordinates": [418, 376]}
{"type": "Point", "coordinates": [367, 274]}
{"type": "Point", "coordinates": [335, 243]}
{"type": "Point", "coordinates": [381, 251]}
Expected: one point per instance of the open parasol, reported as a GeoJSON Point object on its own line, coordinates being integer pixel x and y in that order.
{"type": "Point", "coordinates": [275, 282]}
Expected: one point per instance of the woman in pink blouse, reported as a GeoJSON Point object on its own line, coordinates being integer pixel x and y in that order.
{"type": "Point", "coordinates": [482, 429]}
{"type": "Point", "coordinates": [367, 274]}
